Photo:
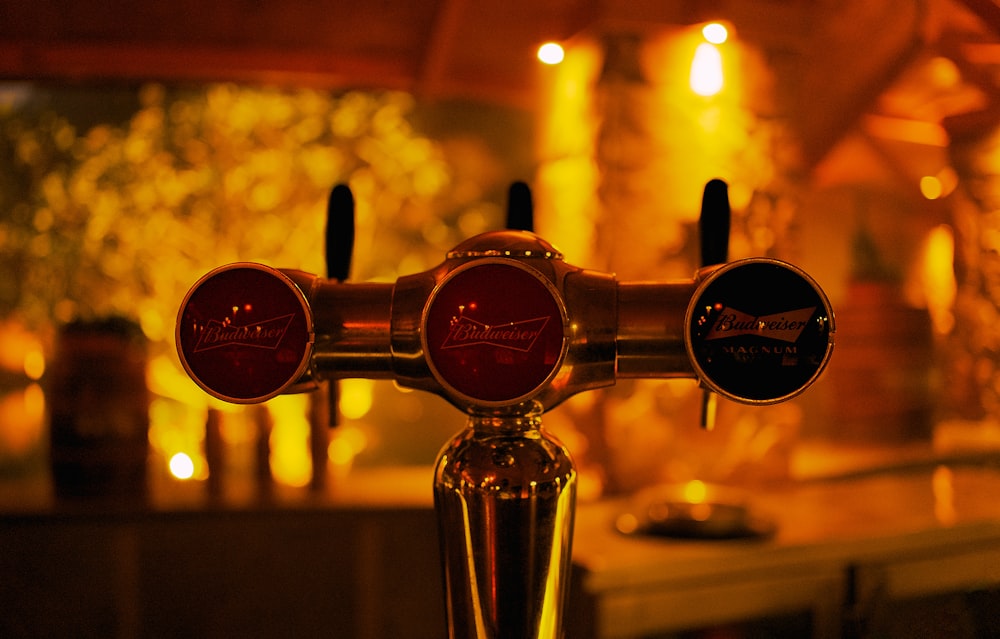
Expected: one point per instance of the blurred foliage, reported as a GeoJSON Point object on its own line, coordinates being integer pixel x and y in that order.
{"type": "Point", "coordinates": [121, 219]}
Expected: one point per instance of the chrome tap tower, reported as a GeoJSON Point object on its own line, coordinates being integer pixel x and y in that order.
{"type": "Point", "coordinates": [505, 329]}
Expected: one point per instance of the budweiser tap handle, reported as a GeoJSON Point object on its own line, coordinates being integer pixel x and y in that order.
{"type": "Point", "coordinates": [713, 227]}
{"type": "Point", "coordinates": [520, 209]}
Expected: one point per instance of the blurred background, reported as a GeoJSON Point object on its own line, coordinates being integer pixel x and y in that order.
{"type": "Point", "coordinates": [143, 145]}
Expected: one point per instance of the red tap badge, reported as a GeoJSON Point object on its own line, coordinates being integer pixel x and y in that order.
{"type": "Point", "coordinates": [759, 331]}
{"type": "Point", "coordinates": [494, 332]}
{"type": "Point", "coordinates": [244, 333]}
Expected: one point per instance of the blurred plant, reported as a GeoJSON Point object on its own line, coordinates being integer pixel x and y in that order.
{"type": "Point", "coordinates": [121, 220]}
{"type": "Point", "coordinates": [103, 214]}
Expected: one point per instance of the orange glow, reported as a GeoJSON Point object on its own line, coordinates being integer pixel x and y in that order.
{"type": "Point", "coordinates": [930, 187]}
{"type": "Point", "coordinates": [944, 72]}
{"type": "Point", "coordinates": [943, 488]}
{"type": "Point", "coordinates": [34, 364]}
{"type": "Point", "coordinates": [21, 351]}
{"type": "Point", "coordinates": [906, 130]}
{"type": "Point", "coordinates": [22, 420]}
{"type": "Point", "coordinates": [948, 179]}
{"type": "Point", "coordinates": [700, 512]}
{"type": "Point", "coordinates": [938, 277]}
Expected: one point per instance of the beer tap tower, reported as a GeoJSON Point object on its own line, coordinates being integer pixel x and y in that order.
{"type": "Point", "coordinates": [504, 329]}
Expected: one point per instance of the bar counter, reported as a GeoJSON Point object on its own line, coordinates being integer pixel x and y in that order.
{"type": "Point", "coordinates": [364, 562]}
{"type": "Point", "coordinates": [843, 553]}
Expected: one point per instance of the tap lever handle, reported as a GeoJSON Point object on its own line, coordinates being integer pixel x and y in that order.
{"type": "Point", "coordinates": [339, 232]}
{"type": "Point", "coordinates": [339, 251]}
{"type": "Point", "coordinates": [713, 225]}
{"type": "Point", "coordinates": [520, 209]}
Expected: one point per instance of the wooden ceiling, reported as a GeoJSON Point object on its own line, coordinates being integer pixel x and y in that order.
{"type": "Point", "coordinates": [838, 63]}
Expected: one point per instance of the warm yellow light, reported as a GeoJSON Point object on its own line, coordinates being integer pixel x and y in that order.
{"type": "Point", "coordinates": [695, 491]}
{"type": "Point", "coordinates": [151, 321]}
{"type": "Point", "coordinates": [939, 283]}
{"type": "Point", "coordinates": [930, 187]}
{"type": "Point", "coordinates": [34, 364]}
{"type": "Point", "coordinates": [949, 180]}
{"type": "Point", "coordinates": [551, 53]}
{"type": "Point", "coordinates": [340, 452]}
{"type": "Point", "coordinates": [943, 488]}
{"type": "Point", "coordinates": [34, 402]}
{"type": "Point", "coordinates": [22, 421]}
{"type": "Point", "coordinates": [291, 463]}
{"type": "Point", "coordinates": [356, 396]}
{"type": "Point", "coordinates": [715, 33]}
{"type": "Point", "coordinates": [345, 444]}
{"type": "Point", "coordinates": [944, 72]}
{"type": "Point", "coordinates": [706, 70]}
{"type": "Point", "coordinates": [182, 466]}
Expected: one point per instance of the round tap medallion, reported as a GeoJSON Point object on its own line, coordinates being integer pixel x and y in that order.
{"type": "Point", "coordinates": [493, 332]}
{"type": "Point", "coordinates": [759, 331]}
{"type": "Point", "coordinates": [244, 333]}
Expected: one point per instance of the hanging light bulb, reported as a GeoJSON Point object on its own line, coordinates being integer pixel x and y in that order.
{"type": "Point", "coordinates": [706, 70]}
{"type": "Point", "coordinates": [551, 53]}
{"type": "Point", "coordinates": [715, 33]}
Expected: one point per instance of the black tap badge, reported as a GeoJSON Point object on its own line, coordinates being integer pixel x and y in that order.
{"type": "Point", "coordinates": [759, 331]}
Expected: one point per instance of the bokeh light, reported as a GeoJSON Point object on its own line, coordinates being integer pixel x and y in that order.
{"type": "Point", "coordinates": [551, 53]}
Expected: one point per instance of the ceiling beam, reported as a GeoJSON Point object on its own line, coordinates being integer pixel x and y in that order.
{"type": "Point", "coordinates": [126, 61]}
{"type": "Point", "coordinates": [842, 85]}
{"type": "Point", "coordinates": [905, 130]}
{"type": "Point", "coordinates": [432, 71]}
{"type": "Point", "coordinates": [985, 10]}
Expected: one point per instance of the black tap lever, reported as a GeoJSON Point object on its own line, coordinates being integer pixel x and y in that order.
{"type": "Point", "coordinates": [713, 227]}
{"type": "Point", "coordinates": [520, 209]}
{"type": "Point", "coordinates": [339, 251]}
{"type": "Point", "coordinates": [339, 232]}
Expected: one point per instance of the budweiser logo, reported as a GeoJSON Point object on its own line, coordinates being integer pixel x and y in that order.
{"type": "Point", "coordinates": [785, 327]}
{"type": "Point", "coordinates": [266, 334]}
{"type": "Point", "coordinates": [518, 336]}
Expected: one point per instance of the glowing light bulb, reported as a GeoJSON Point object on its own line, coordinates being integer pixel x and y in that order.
{"type": "Point", "coordinates": [551, 53]}
{"type": "Point", "coordinates": [182, 466]}
{"type": "Point", "coordinates": [706, 70]}
{"type": "Point", "coordinates": [715, 33]}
